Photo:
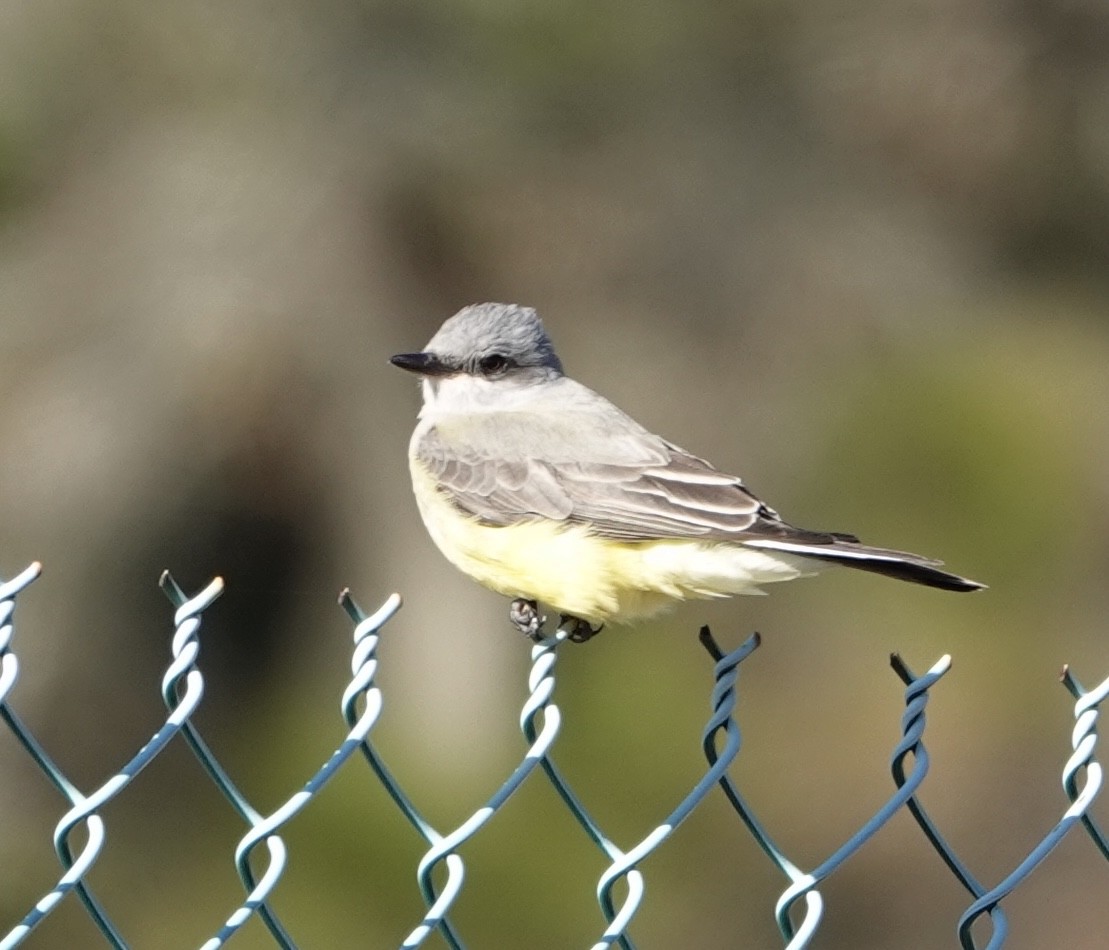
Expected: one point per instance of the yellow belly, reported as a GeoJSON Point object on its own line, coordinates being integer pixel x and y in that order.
{"type": "Point", "coordinates": [596, 579]}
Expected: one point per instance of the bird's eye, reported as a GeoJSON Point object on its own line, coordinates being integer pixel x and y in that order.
{"type": "Point", "coordinates": [493, 364]}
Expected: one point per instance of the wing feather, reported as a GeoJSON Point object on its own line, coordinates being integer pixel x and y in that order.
{"type": "Point", "coordinates": [620, 480]}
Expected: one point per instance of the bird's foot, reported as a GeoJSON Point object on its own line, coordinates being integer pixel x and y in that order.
{"type": "Point", "coordinates": [525, 617]}
{"type": "Point", "coordinates": [580, 630]}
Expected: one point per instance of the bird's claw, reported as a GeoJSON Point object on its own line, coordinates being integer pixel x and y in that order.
{"type": "Point", "coordinates": [580, 630]}
{"type": "Point", "coordinates": [526, 618]}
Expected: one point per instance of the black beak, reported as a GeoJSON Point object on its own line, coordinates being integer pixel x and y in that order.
{"type": "Point", "coordinates": [426, 364]}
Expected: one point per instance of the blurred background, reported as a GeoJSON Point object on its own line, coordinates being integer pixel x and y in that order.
{"type": "Point", "coordinates": [856, 252]}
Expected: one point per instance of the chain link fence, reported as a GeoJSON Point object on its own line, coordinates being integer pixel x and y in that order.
{"type": "Point", "coordinates": [261, 854]}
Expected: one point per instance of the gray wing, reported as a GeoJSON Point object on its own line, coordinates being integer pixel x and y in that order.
{"type": "Point", "coordinates": [600, 469]}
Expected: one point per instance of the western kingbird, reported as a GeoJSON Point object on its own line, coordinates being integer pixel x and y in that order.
{"type": "Point", "coordinates": [542, 490]}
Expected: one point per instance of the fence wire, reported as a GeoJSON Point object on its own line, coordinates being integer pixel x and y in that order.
{"type": "Point", "coordinates": [798, 911]}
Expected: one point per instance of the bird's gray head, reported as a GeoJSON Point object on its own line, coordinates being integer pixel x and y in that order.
{"type": "Point", "coordinates": [489, 341]}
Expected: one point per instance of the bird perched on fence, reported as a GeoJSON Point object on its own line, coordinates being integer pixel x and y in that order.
{"type": "Point", "coordinates": [544, 491]}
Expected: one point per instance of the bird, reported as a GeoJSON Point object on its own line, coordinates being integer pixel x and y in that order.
{"type": "Point", "coordinates": [544, 491]}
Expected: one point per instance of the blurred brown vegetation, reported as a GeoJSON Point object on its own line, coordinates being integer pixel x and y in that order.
{"type": "Point", "coordinates": [857, 252]}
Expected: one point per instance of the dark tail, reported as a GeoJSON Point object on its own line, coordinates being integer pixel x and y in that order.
{"type": "Point", "coordinates": [900, 564]}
